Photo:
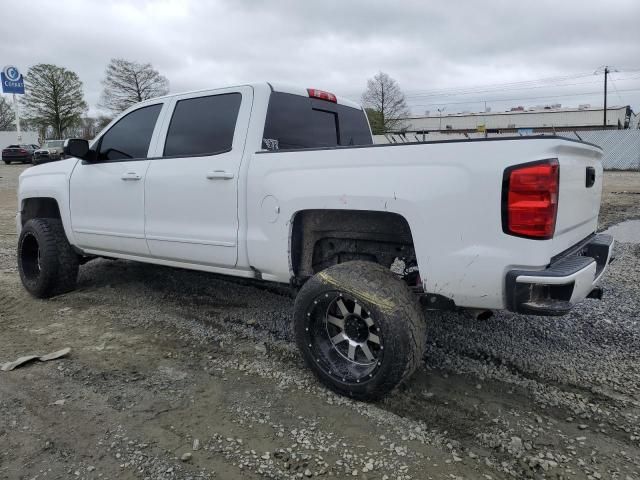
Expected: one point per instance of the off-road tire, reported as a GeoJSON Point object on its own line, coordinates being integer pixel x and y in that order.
{"type": "Point", "coordinates": [399, 321]}
{"type": "Point", "coordinates": [47, 263]}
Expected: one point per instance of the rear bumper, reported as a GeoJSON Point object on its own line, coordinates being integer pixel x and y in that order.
{"type": "Point", "coordinates": [17, 158]}
{"type": "Point", "coordinates": [569, 279]}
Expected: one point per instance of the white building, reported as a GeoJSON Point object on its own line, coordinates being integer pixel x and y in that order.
{"type": "Point", "coordinates": [539, 119]}
{"type": "Point", "coordinates": [11, 138]}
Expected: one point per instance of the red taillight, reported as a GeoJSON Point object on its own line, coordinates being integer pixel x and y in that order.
{"type": "Point", "coordinates": [530, 199]}
{"type": "Point", "coordinates": [322, 95]}
{"type": "Point", "coordinates": [22, 150]}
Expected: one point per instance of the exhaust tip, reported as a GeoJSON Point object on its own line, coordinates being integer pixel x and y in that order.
{"type": "Point", "coordinates": [596, 293]}
{"type": "Point", "coordinates": [481, 314]}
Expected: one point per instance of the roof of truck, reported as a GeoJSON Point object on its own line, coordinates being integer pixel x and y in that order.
{"type": "Point", "coordinates": [295, 90]}
{"type": "Point", "coordinates": [275, 87]}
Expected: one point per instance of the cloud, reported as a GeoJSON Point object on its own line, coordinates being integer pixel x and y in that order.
{"type": "Point", "coordinates": [335, 45]}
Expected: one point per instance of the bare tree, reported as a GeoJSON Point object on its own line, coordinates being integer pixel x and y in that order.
{"type": "Point", "coordinates": [385, 104]}
{"type": "Point", "coordinates": [126, 83]}
{"type": "Point", "coordinates": [54, 98]}
{"type": "Point", "coordinates": [7, 115]}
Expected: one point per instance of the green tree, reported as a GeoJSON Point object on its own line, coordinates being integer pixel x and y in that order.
{"type": "Point", "coordinates": [127, 83]}
{"type": "Point", "coordinates": [53, 98]}
{"type": "Point", "coordinates": [7, 115]}
{"type": "Point", "coordinates": [384, 98]}
{"type": "Point", "coordinates": [375, 120]}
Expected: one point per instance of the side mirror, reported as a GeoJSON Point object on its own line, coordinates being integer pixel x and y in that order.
{"type": "Point", "coordinates": [76, 147]}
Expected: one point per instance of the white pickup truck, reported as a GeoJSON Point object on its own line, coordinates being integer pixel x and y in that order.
{"type": "Point", "coordinates": [285, 185]}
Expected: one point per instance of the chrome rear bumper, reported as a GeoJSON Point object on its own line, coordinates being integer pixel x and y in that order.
{"type": "Point", "coordinates": [569, 279]}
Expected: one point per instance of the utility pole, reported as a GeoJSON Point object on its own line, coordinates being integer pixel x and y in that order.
{"type": "Point", "coordinates": [606, 71]}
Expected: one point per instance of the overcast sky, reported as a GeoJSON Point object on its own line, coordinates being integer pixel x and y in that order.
{"type": "Point", "coordinates": [337, 45]}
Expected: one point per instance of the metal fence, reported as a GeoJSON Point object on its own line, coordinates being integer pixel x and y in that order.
{"type": "Point", "coordinates": [621, 148]}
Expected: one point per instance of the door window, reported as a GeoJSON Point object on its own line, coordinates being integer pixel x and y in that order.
{"type": "Point", "coordinates": [203, 125]}
{"type": "Point", "coordinates": [130, 137]}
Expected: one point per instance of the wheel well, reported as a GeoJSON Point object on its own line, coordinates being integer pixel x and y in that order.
{"type": "Point", "coordinates": [321, 238]}
{"type": "Point", "coordinates": [39, 207]}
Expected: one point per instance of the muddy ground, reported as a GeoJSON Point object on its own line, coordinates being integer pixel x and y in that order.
{"type": "Point", "coordinates": [169, 362]}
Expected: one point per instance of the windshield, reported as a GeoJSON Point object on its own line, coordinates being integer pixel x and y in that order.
{"type": "Point", "coordinates": [294, 121]}
{"type": "Point", "coordinates": [53, 144]}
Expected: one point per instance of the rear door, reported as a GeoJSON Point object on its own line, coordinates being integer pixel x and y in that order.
{"type": "Point", "coordinates": [107, 195]}
{"type": "Point", "coordinates": [192, 185]}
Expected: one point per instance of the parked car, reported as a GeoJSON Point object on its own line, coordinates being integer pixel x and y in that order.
{"type": "Point", "coordinates": [49, 151]}
{"type": "Point", "coordinates": [284, 184]}
{"type": "Point", "coordinates": [18, 153]}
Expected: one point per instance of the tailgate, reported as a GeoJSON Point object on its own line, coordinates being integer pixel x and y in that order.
{"type": "Point", "coordinates": [579, 195]}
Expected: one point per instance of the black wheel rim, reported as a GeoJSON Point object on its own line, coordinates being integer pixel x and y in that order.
{"type": "Point", "coordinates": [343, 337]}
{"type": "Point", "coordinates": [30, 257]}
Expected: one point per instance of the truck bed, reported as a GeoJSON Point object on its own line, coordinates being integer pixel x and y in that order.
{"type": "Point", "coordinates": [450, 193]}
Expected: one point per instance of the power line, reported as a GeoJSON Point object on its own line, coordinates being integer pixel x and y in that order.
{"type": "Point", "coordinates": [488, 88]}
{"type": "Point", "coordinates": [623, 69]}
{"type": "Point", "coordinates": [502, 85]}
{"type": "Point", "coordinates": [616, 89]}
{"type": "Point", "coordinates": [512, 89]}
{"type": "Point", "coordinates": [470, 92]}
{"type": "Point", "coordinates": [519, 98]}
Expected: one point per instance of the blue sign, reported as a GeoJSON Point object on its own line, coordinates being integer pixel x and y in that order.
{"type": "Point", "coordinates": [12, 81]}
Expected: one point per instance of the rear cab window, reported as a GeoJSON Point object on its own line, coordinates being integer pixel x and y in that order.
{"type": "Point", "coordinates": [295, 122]}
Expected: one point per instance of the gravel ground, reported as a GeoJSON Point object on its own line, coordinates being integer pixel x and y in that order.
{"type": "Point", "coordinates": [183, 375]}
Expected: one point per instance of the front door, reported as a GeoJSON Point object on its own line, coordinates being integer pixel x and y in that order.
{"type": "Point", "coordinates": [107, 195]}
{"type": "Point", "coordinates": [192, 188]}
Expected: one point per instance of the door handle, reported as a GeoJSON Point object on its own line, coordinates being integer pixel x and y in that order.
{"type": "Point", "coordinates": [219, 175]}
{"type": "Point", "coordinates": [131, 176]}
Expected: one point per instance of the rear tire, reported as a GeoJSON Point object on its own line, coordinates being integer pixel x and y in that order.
{"type": "Point", "coordinates": [47, 263]}
{"type": "Point", "coordinates": [360, 329]}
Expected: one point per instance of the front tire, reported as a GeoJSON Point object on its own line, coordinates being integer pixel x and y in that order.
{"type": "Point", "coordinates": [7, 162]}
{"type": "Point", "coordinates": [360, 329]}
{"type": "Point", "coordinates": [47, 263]}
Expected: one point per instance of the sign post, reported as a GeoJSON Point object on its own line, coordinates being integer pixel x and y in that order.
{"type": "Point", "coordinates": [16, 107]}
{"type": "Point", "coordinates": [13, 82]}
